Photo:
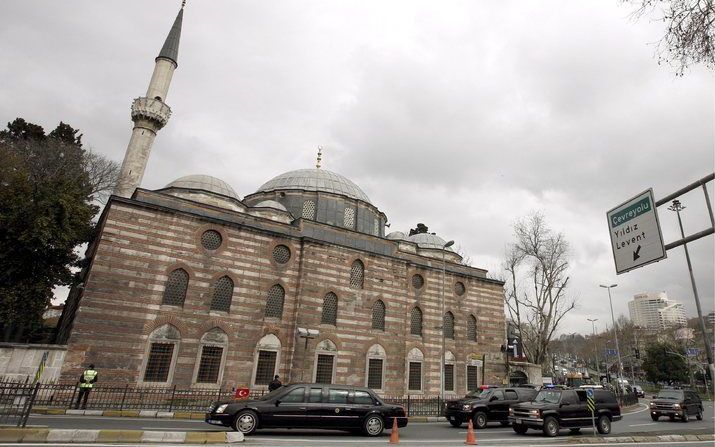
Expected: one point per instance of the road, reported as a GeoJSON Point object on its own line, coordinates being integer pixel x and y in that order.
{"type": "Point", "coordinates": [635, 422]}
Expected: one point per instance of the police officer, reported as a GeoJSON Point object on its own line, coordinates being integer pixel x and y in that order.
{"type": "Point", "coordinates": [86, 380]}
{"type": "Point", "coordinates": [275, 384]}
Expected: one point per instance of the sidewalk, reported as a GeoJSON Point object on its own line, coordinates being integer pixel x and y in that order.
{"type": "Point", "coordinates": [11, 435]}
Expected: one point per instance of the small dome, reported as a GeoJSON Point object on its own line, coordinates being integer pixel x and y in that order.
{"type": "Point", "coordinates": [397, 236]}
{"type": "Point", "coordinates": [270, 204]}
{"type": "Point", "coordinates": [426, 240]}
{"type": "Point", "coordinates": [315, 180]}
{"type": "Point", "coordinates": [205, 183]}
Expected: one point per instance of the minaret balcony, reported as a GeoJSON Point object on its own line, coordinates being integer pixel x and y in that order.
{"type": "Point", "coordinates": [151, 109]}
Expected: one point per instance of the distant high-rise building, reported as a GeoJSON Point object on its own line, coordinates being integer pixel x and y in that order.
{"type": "Point", "coordinates": [711, 318]}
{"type": "Point", "coordinates": [655, 311]}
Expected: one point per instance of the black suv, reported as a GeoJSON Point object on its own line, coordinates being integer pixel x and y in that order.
{"type": "Point", "coordinates": [488, 405]}
{"type": "Point", "coordinates": [676, 403]}
{"type": "Point", "coordinates": [553, 409]}
{"type": "Point", "coordinates": [310, 405]}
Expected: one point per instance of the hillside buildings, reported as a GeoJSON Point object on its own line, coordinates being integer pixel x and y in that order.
{"type": "Point", "coordinates": [654, 311]}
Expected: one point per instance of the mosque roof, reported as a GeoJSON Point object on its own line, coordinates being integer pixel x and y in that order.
{"type": "Point", "coordinates": [315, 180]}
{"type": "Point", "coordinates": [270, 204]}
{"type": "Point", "coordinates": [205, 183]}
{"type": "Point", "coordinates": [427, 240]}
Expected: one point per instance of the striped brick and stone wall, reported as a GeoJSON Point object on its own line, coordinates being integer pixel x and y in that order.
{"type": "Point", "coordinates": [143, 239]}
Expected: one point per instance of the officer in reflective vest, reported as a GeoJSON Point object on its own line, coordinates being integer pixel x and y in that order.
{"type": "Point", "coordinates": [86, 380]}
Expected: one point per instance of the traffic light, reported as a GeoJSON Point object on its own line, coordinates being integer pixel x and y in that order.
{"type": "Point", "coordinates": [638, 353]}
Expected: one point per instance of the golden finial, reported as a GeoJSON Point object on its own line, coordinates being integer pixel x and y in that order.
{"type": "Point", "coordinates": [320, 153]}
{"type": "Point", "coordinates": [183, 3]}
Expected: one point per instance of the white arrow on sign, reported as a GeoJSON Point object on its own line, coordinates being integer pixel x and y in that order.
{"type": "Point", "coordinates": [636, 238]}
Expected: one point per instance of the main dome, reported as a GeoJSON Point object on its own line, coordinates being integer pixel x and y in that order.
{"type": "Point", "coordinates": [315, 180]}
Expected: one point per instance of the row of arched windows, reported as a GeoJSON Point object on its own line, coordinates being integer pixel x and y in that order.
{"type": "Point", "coordinates": [447, 324]}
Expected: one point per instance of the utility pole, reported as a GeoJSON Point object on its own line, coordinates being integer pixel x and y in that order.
{"type": "Point", "coordinates": [595, 345]}
{"type": "Point", "coordinates": [615, 335]}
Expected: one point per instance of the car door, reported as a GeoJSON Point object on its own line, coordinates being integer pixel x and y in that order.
{"type": "Point", "coordinates": [360, 404]}
{"type": "Point", "coordinates": [334, 411]}
{"type": "Point", "coordinates": [314, 405]}
{"type": "Point", "coordinates": [288, 410]}
{"type": "Point", "coordinates": [498, 408]}
{"type": "Point", "coordinates": [568, 408]}
{"type": "Point", "coordinates": [511, 397]}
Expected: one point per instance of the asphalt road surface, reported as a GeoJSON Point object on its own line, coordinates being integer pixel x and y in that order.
{"type": "Point", "coordinates": [635, 422]}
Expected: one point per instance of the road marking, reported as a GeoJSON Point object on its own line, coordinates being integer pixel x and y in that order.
{"type": "Point", "coordinates": [645, 407]}
{"type": "Point", "coordinates": [643, 425]}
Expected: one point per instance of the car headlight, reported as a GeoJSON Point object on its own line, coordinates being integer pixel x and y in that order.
{"type": "Point", "coordinates": [511, 411]}
{"type": "Point", "coordinates": [467, 407]}
{"type": "Point", "coordinates": [676, 406]}
{"type": "Point", "coordinates": [221, 408]}
{"type": "Point", "coordinates": [652, 404]}
{"type": "Point", "coordinates": [535, 413]}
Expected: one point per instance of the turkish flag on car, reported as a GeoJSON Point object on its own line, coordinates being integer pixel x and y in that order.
{"type": "Point", "coordinates": [242, 393]}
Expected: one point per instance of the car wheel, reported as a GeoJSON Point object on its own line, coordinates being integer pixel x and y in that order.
{"type": "Point", "coordinates": [455, 422]}
{"type": "Point", "coordinates": [699, 414]}
{"type": "Point", "coordinates": [246, 422]}
{"type": "Point", "coordinates": [654, 417]}
{"type": "Point", "coordinates": [575, 430]}
{"type": "Point", "coordinates": [603, 425]}
{"type": "Point", "coordinates": [504, 423]}
{"type": "Point", "coordinates": [520, 428]}
{"type": "Point", "coordinates": [480, 420]}
{"type": "Point", "coordinates": [373, 425]}
{"type": "Point", "coordinates": [551, 427]}
{"type": "Point", "coordinates": [685, 417]}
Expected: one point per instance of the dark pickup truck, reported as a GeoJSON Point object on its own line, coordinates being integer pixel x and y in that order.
{"type": "Point", "coordinates": [676, 403]}
{"type": "Point", "coordinates": [488, 405]}
{"type": "Point", "coordinates": [553, 409]}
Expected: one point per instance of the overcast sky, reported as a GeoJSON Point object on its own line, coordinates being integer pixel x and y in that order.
{"type": "Point", "coordinates": [462, 115]}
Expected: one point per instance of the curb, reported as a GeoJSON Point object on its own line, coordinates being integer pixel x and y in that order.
{"type": "Point", "coordinates": [55, 436]}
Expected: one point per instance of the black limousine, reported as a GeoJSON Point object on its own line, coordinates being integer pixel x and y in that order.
{"type": "Point", "coordinates": [310, 405]}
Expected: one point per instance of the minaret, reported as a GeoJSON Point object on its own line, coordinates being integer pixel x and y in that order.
{"type": "Point", "coordinates": [150, 113]}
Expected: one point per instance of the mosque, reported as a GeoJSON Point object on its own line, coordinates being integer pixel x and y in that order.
{"type": "Point", "coordinates": [192, 285]}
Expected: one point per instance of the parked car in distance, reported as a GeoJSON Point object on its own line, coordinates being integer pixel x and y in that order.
{"type": "Point", "coordinates": [553, 409]}
{"type": "Point", "coordinates": [486, 405]}
{"type": "Point", "coordinates": [639, 391]}
{"type": "Point", "coordinates": [676, 403]}
{"type": "Point", "coordinates": [310, 406]}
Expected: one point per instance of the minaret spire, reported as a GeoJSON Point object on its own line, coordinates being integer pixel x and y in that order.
{"type": "Point", "coordinates": [150, 113]}
{"type": "Point", "coordinates": [320, 157]}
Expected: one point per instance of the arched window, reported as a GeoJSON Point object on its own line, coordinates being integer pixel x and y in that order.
{"type": "Point", "coordinates": [175, 289]}
{"type": "Point", "coordinates": [414, 369]}
{"type": "Point", "coordinates": [472, 328]}
{"type": "Point", "coordinates": [378, 315]}
{"type": "Point", "coordinates": [325, 354]}
{"type": "Point", "coordinates": [213, 347]}
{"type": "Point", "coordinates": [375, 367]}
{"type": "Point", "coordinates": [223, 292]}
{"type": "Point", "coordinates": [274, 303]}
{"type": "Point", "coordinates": [357, 275]}
{"type": "Point", "coordinates": [163, 343]}
{"type": "Point", "coordinates": [309, 210]}
{"type": "Point", "coordinates": [448, 325]}
{"type": "Point", "coordinates": [268, 351]}
{"type": "Point", "coordinates": [474, 363]}
{"type": "Point", "coordinates": [416, 321]}
{"type": "Point", "coordinates": [448, 371]}
{"type": "Point", "coordinates": [349, 218]}
{"type": "Point", "coordinates": [330, 309]}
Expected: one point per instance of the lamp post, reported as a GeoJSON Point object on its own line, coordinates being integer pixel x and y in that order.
{"type": "Point", "coordinates": [615, 335]}
{"type": "Point", "coordinates": [443, 353]}
{"type": "Point", "coordinates": [306, 334]}
{"type": "Point", "coordinates": [678, 207]}
{"type": "Point", "coordinates": [595, 346]}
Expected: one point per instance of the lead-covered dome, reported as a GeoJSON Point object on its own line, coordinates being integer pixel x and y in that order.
{"type": "Point", "coordinates": [315, 180]}
{"type": "Point", "coordinates": [204, 183]}
{"type": "Point", "coordinates": [427, 240]}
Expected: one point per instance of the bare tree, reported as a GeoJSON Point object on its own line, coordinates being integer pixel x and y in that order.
{"type": "Point", "coordinates": [103, 174]}
{"type": "Point", "coordinates": [688, 39]}
{"type": "Point", "coordinates": [536, 278]}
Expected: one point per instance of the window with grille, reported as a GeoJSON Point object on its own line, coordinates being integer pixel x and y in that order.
{"type": "Point", "coordinates": [376, 227]}
{"type": "Point", "coordinates": [449, 377]}
{"type": "Point", "coordinates": [211, 240]}
{"type": "Point", "coordinates": [175, 289]}
{"type": "Point", "coordinates": [210, 364]}
{"type": "Point", "coordinates": [349, 218]}
{"type": "Point", "coordinates": [223, 293]}
{"type": "Point", "coordinates": [357, 275]}
{"type": "Point", "coordinates": [378, 315]}
{"type": "Point", "coordinates": [265, 367]}
{"type": "Point", "coordinates": [414, 380]}
{"type": "Point", "coordinates": [324, 369]}
{"type": "Point", "coordinates": [274, 304]}
{"type": "Point", "coordinates": [374, 374]}
{"type": "Point", "coordinates": [448, 325]}
{"type": "Point", "coordinates": [459, 288]}
{"type": "Point", "coordinates": [472, 377]}
{"type": "Point", "coordinates": [416, 321]}
{"type": "Point", "coordinates": [309, 210]}
{"type": "Point", "coordinates": [417, 281]}
{"type": "Point", "coordinates": [159, 362]}
{"type": "Point", "coordinates": [472, 328]}
{"type": "Point", "coordinates": [281, 254]}
{"type": "Point", "coordinates": [330, 309]}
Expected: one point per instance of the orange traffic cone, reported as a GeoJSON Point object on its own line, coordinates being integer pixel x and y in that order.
{"type": "Point", "coordinates": [394, 435]}
{"type": "Point", "coordinates": [471, 439]}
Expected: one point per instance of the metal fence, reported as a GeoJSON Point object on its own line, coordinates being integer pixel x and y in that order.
{"type": "Point", "coordinates": [420, 405]}
{"type": "Point", "coordinates": [16, 400]}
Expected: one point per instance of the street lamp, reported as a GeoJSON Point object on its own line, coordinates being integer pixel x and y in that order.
{"type": "Point", "coordinates": [678, 207]}
{"type": "Point", "coordinates": [443, 353]}
{"type": "Point", "coordinates": [615, 334]}
{"type": "Point", "coordinates": [306, 334]}
{"type": "Point", "coordinates": [595, 346]}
